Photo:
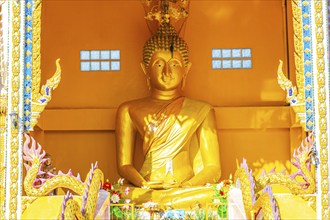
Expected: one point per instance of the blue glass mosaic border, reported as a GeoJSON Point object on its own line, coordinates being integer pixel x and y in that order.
{"type": "Point", "coordinates": [308, 63]}
{"type": "Point", "coordinates": [28, 64]}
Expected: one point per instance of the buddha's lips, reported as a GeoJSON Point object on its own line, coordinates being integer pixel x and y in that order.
{"type": "Point", "coordinates": [167, 78]}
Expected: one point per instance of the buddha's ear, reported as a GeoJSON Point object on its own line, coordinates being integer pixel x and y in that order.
{"type": "Point", "coordinates": [144, 68]}
{"type": "Point", "coordinates": [187, 68]}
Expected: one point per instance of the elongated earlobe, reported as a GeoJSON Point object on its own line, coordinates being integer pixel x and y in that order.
{"type": "Point", "coordinates": [183, 83]}
{"type": "Point", "coordinates": [187, 68]}
{"type": "Point", "coordinates": [144, 69]}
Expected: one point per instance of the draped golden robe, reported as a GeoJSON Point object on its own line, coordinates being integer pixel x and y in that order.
{"type": "Point", "coordinates": [182, 127]}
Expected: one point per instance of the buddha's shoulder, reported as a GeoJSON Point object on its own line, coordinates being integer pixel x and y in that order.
{"type": "Point", "coordinates": [197, 103]}
{"type": "Point", "coordinates": [132, 104]}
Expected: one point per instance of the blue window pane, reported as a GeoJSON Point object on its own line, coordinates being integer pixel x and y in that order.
{"type": "Point", "coordinates": [115, 54]}
{"type": "Point", "coordinates": [246, 52]}
{"type": "Point", "coordinates": [226, 53]}
{"type": "Point", "coordinates": [115, 65]}
{"type": "Point", "coordinates": [95, 55]}
{"type": "Point", "coordinates": [105, 65]}
{"type": "Point", "coordinates": [236, 53]}
{"type": "Point", "coordinates": [247, 64]}
{"type": "Point", "coordinates": [105, 54]}
{"type": "Point", "coordinates": [84, 54]}
{"type": "Point", "coordinates": [216, 53]}
{"type": "Point", "coordinates": [237, 64]}
{"type": "Point", "coordinates": [95, 66]}
{"type": "Point", "coordinates": [84, 66]}
{"type": "Point", "coordinates": [216, 64]}
{"type": "Point", "coordinates": [226, 64]}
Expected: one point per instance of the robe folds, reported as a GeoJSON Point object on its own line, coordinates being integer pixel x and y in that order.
{"type": "Point", "coordinates": [168, 132]}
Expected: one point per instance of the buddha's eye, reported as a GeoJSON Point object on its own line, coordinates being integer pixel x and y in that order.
{"type": "Point", "coordinates": [160, 64]}
{"type": "Point", "coordinates": [174, 63]}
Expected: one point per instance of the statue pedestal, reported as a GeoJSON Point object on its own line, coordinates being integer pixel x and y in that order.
{"type": "Point", "coordinates": [49, 207]}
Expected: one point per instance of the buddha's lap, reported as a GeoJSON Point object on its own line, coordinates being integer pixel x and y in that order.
{"type": "Point", "coordinates": [185, 197]}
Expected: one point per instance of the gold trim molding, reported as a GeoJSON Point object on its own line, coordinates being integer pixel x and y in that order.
{"type": "Point", "coordinates": [322, 107]}
{"type": "Point", "coordinates": [15, 155]}
{"type": "Point", "coordinates": [3, 113]}
{"type": "Point", "coordinates": [36, 56]}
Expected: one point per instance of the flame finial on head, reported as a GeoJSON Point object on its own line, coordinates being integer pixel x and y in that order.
{"type": "Point", "coordinates": [159, 12]}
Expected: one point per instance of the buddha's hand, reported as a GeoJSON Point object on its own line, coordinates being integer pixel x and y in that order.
{"type": "Point", "coordinates": [186, 184]}
{"type": "Point", "coordinates": [160, 185]}
{"type": "Point", "coordinates": [170, 185]}
{"type": "Point", "coordinates": [152, 185]}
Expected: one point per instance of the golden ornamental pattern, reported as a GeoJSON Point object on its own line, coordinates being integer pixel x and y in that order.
{"type": "Point", "coordinates": [15, 156]}
{"type": "Point", "coordinates": [15, 82]}
{"type": "Point", "coordinates": [3, 112]}
{"type": "Point", "coordinates": [40, 96]}
{"type": "Point", "coordinates": [296, 95]}
{"type": "Point", "coordinates": [322, 107]}
{"type": "Point", "coordinates": [41, 99]}
{"type": "Point", "coordinates": [27, 201]}
{"type": "Point", "coordinates": [36, 56]}
{"type": "Point", "coordinates": [298, 47]}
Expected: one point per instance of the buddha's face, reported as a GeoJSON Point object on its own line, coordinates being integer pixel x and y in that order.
{"type": "Point", "coordinates": [166, 70]}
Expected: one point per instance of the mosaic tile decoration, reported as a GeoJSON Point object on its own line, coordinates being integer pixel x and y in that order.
{"type": "Point", "coordinates": [308, 63]}
{"type": "Point", "coordinates": [28, 65]}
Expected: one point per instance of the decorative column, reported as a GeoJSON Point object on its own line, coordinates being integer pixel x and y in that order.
{"type": "Point", "coordinates": [22, 98]}
{"type": "Point", "coordinates": [3, 102]}
{"type": "Point", "coordinates": [311, 101]}
{"type": "Point", "coordinates": [320, 40]}
{"type": "Point", "coordinates": [14, 110]}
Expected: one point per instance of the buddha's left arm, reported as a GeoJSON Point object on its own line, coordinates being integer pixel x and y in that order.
{"type": "Point", "coordinates": [209, 147]}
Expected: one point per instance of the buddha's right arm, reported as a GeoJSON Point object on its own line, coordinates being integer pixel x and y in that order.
{"type": "Point", "coordinates": [129, 173]}
{"type": "Point", "coordinates": [125, 141]}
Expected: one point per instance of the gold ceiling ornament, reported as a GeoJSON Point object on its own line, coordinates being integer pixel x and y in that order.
{"type": "Point", "coordinates": [41, 99]}
{"type": "Point", "coordinates": [159, 12]}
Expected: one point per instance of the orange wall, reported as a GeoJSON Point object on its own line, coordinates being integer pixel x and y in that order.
{"type": "Point", "coordinates": [71, 26]}
{"type": "Point", "coordinates": [236, 24]}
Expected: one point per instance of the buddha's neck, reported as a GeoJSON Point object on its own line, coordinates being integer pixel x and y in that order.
{"type": "Point", "coordinates": [165, 95]}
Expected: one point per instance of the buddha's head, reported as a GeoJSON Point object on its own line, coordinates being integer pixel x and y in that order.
{"type": "Point", "coordinates": [165, 59]}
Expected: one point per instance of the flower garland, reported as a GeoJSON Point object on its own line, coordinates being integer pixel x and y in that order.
{"type": "Point", "coordinates": [221, 196]}
{"type": "Point", "coordinates": [115, 190]}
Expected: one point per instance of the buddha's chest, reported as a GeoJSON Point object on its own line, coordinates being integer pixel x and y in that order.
{"type": "Point", "coordinates": [149, 116]}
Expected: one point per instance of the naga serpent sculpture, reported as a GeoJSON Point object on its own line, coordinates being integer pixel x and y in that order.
{"type": "Point", "coordinates": [36, 186]}
{"type": "Point", "coordinates": [257, 193]}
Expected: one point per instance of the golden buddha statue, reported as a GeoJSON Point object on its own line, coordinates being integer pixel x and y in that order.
{"type": "Point", "coordinates": [179, 136]}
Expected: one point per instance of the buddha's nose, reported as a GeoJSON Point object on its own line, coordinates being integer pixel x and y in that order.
{"type": "Point", "coordinates": [167, 71]}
